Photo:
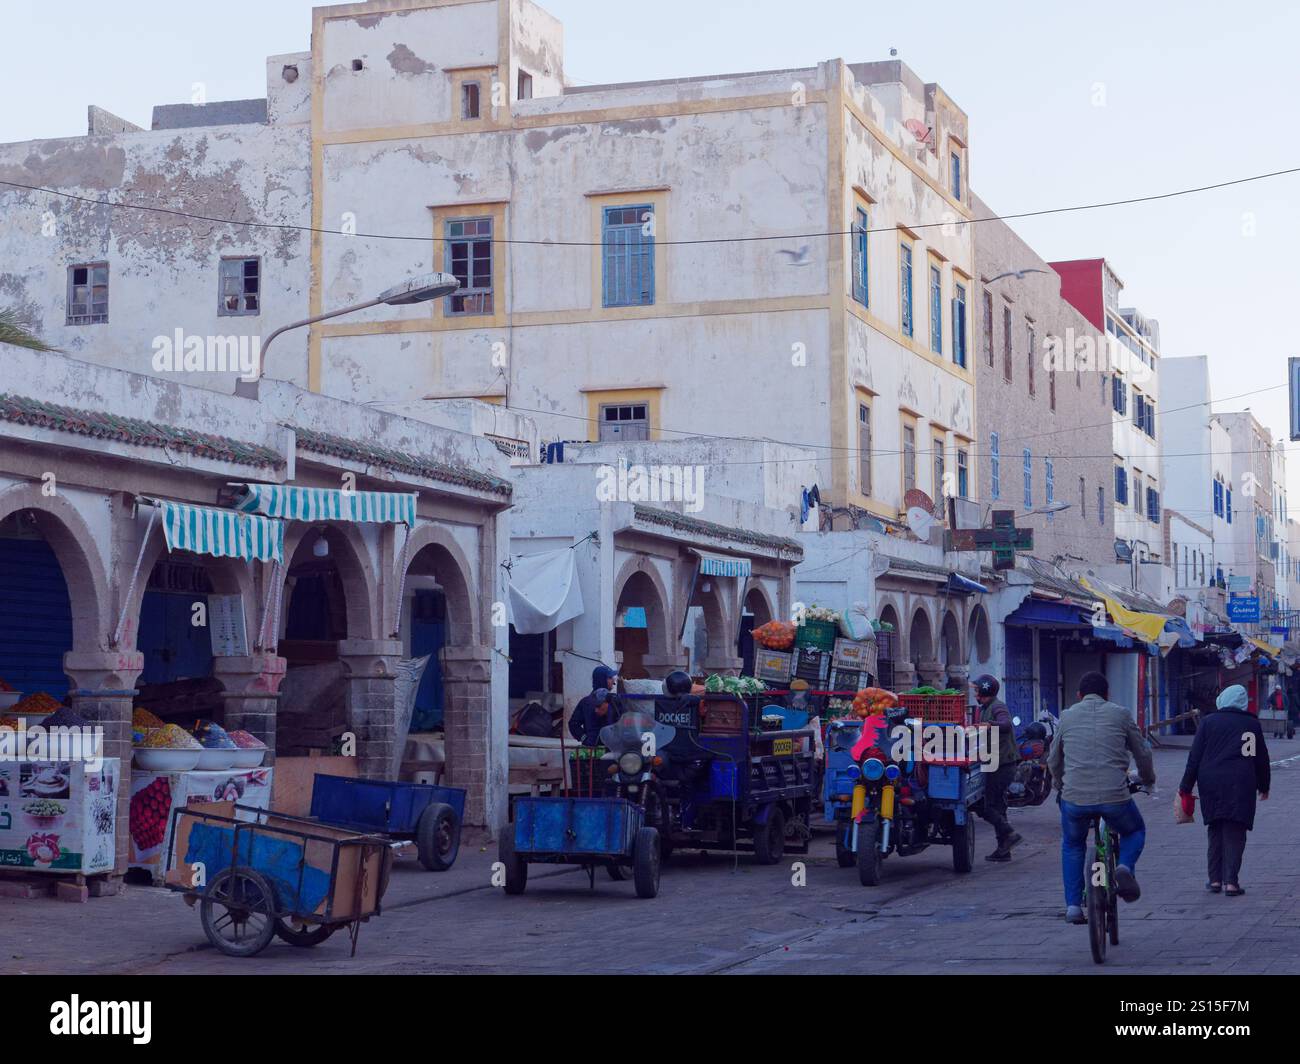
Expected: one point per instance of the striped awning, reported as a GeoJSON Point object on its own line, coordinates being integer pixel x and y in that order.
{"type": "Point", "coordinates": [222, 533]}
{"type": "Point", "coordinates": [723, 565]}
{"type": "Point", "coordinates": [327, 504]}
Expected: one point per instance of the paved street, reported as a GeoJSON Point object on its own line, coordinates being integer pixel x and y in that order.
{"type": "Point", "coordinates": [713, 916]}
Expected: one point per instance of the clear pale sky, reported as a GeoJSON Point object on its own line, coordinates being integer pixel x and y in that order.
{"type": "Point", "coordinates": [1194, 93]}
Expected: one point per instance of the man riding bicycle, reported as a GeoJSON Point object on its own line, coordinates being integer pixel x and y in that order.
{"type": "Point", "coordinates": [1089, 761]}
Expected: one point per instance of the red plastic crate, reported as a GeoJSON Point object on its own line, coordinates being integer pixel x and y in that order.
{"type": "Point", "coordinates": [936, 709]}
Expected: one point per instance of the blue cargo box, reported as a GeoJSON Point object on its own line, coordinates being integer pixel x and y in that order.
{"type": "Point", "coordinates": [951, 783]}
{"type": "Point", "coordinates": [387, 806]}
{"type": "Point", "coordinates": [595, 826]}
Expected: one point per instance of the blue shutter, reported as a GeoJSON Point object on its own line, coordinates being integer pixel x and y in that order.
{"type": "Point", "coordinates": [959, 325]}
{"type": "Point", "coordinates": [936, 310]}
{"type": "Point", "coordinates": [628, 277]}
{"type": "Point", "coordinates": [860, 257]}
{"type": "Point", "coordinates": [905, 287]}
{"type": "Point", "coordinates": [1029, 480]}
{"type": "Point", "coordinates": [1051, 481]}
{"type": "Point", "coordinates": [1227, 494]}
{"type": "Point", "coordinates": [1121, 485]}
{"type": "Point", "coordinates": [995, 465]}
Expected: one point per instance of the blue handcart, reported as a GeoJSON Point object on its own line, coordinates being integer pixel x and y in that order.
{"type": "Point", "coordinates": [428, 814]}
{"type": "Point", "coordinates": [590, 832]}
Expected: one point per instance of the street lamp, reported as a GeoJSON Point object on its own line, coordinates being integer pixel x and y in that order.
{"type": "Point", "coordinates": [416, 290]}
{"type": "Point", "coordinates": [1048, 508]}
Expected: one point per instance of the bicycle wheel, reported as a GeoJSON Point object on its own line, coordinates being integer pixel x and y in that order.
{"type": "Point", "coordinates": [1097, 922]}
{"type": "Point", "coordinates": [1112, 899]}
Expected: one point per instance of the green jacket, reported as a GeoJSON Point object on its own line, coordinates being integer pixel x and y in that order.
{"type": "Point", "coordinates": [1089, 757]}
{"type": "Point", "coordinates": [998, 715]}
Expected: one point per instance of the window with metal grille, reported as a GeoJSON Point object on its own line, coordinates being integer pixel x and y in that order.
{"type": "Point", "coordinates": [988, 328]}
{"type": "Point", "coordinates": [88, 294]}
{"type": "Point", "coordinates": [240, 287]}
{"type": "Point", "coordinates": [469, 260]}
{"type": "Point", "coordinates": [963, 473]}
{"type": "Point", "coordinates": [469, 100]}
{"type": "Point", "coordinates": [860, 229]}
{"type": "Point", "coordinates": [905, 286]}
{"type": "Point", "coordinates": [624, 421]}
{"type": "Point", "coordinates": [936, 310]}
{"type": "Point", "coordinates": [909, 458]}
{"type": "Point", "coordinates": [1029, 479]}
{"type": "Point", "coordinates": [864, 449]}
{"type": "Point", "coordinates": [629, 256]}
{"type": "Point", "coordinates": [995, 465]}
{"type": "Point", "coordinates": [959, 324]}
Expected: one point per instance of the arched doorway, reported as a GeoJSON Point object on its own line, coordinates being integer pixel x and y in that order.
{"type": "Point", "coordinates": [707, 635]}
{"type": "Point", "coordinates": [888, 647]}
{"type": "Point", "coordinates": [979, 641]}
{"type": "Point", "coordinates": [437, 612]}
{"type": "Point", "coordinates": [641, 622]}
{"type": "Point", "coordinates": [920, 640]}
{"type": "Point", "coordinates": [756, 612]}
{"type": "Point", "coordinates": [950, 655]}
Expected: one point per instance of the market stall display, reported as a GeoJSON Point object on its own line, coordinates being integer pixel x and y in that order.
{"type": "Point", "coordinates": [58, 816]}
{"type": "Point", "coordinates": [219, 749]}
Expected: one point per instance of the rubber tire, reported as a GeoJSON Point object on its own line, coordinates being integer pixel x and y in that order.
{"type": "Point", "coordinates": [1112, 918]}
{"type": "Point", "coordinates": [265, 905]}
{"type": "Point", "coordinates": [310, 935]}
{"type": "Point", "coordinates": [645, 862]}
{"type": "Point", "coordinates": [660, 824]}
{"type": "Point", "coordinates": [1097, 923]}
{"type": "Point", "coordinates": [769, 838]}
{"type": "Point", "coordinates": [516, 866]}
{"type": "Point", "coordinates": [437, 837]}
{"type": "Point", "coordinates": [868, 855]}
{"type": "Point", "coordinates": [963, 846]}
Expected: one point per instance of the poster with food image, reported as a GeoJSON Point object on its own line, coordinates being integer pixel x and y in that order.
{"type": "Point", "coordinates": [58, 816]}
{"type": "Point", "coordinates": [156, 795]}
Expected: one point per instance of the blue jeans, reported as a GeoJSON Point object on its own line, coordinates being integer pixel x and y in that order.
{"type": "Point", "coordinates": [1123, 817]}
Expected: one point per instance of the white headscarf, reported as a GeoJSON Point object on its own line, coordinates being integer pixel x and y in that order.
{"type": "Point", "coordinates": [1233, 697]}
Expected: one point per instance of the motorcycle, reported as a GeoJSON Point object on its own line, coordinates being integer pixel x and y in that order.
{"type": "Point", "coordinates": [1032, 782]}
{"type": "Point", "coordinates": [633, 766]}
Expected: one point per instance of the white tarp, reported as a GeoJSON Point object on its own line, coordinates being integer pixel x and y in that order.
{"type": "Point", "coordinates": [544, 591]}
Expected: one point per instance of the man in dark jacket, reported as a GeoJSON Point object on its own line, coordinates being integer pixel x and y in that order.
{"type": "Point", "coordinates": [994, 712]}
{"type": "Point", "coordinates": [1229, 759]}
{"type": "Point", "coordinates": [597, 709]}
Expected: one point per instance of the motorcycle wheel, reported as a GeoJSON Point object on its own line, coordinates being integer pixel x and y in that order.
{"type": "Point", "coordinates": [645, 863]}
{"type": "Point", "coordinates": [769, 838]}
{"type": "Point", "coordinates": [963, 846]}
{"type": "Point", "coordinates": [869, 858]}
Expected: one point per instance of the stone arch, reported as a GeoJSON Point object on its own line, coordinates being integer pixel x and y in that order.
{"type": "Point", "coordinates": [348, 551]}
{"type": "Point", "coordinates": [717, 619]}
{"type": "Point", "coordinates": [979, 639]}
{"type": "Point", "coordinates": [920, 638]}
{"type": "Point", "coordinates": [890, 612]}
{"type": "Point", "coordinates": [950, 641]}
{"type": "Point", "coordinates": [68, 536]}
{"type": "Point", "coordinates": [433, 551]}
{"type": "Point", "coordinates": [641, 580]}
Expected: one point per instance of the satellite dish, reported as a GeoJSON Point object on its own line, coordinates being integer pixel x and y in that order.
{"type": "Point", "coordinates": [916, 497]}
{"type": "Point", "coordinates": [920, 521]}
{"type": "Point", "coordinates": [919, 130]}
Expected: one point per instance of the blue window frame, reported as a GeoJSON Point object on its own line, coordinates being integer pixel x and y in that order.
{"type": "Point", "coordinates": [905, 286]}
{"type": "Point", "coordinates": [1029, 480]}
{"type": "Point", "coordinates": [959, 325]}
{"type": "Point", "coordinates": [936, 310]}
{"type": "Point", "coordinates": [1153, 506]}
{"type": "Point", "coordinates": [1218, 498]}
{"type": "Point", "coordinates": [995, 465]}
{"type": "Point", "coordinates": [1121, 486]}
{"type": "Point", "coordinates": [955, 174]}
{"type": "Point", "coordinates": [628, 253]}
{"type": "Point", "coordinates": [1119, 394]}
{"type": "Point", "coordinates": [1050, 470]}
{"type": "Point", "coordinates": [963, 474]}
{"type": "Point", "coordinates": [469, 260]}
{"type": "Point", "coordinates": [860, 228]}
{"type": "Point", "coordinates": [1227, 502]}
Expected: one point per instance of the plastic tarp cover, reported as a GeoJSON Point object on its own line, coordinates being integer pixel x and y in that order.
{"type": "Point", "coordinates": [544, 591]}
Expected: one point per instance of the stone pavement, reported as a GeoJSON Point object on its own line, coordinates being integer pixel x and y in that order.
{"type": "Point", "coordinates": [714, 914]}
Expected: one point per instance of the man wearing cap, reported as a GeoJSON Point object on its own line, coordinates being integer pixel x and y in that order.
{"type": "Point", "coordinates": [994, 712]}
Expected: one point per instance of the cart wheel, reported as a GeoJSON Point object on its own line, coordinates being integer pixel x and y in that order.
{"type": "Point", "coordinates": [516, 866]}
{"type": "Point", "coordinates": [769, 838]}
{"type": "Point", "coordinates": [238, 912]}
{"type": "Point", "coordinates": [437, 837]}
{"type": "Point", "coordinates": [869, 859]}
{"type": "Point", "coordinates": [963, 846]}
{"type": "Point", "coordinates": [645, 863]}
{"type": "Point", "coordinates": [616, 872]}
{"type": "Point", "coordinates": [305, 936]}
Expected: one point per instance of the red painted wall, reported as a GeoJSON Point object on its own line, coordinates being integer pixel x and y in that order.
{"type": "Point", "coordinates": [1081, 287]}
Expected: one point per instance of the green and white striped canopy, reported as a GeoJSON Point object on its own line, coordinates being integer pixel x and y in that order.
{"type": "Point", "coordinates": [222, 533]}
{"type": "Point", "coordinates": [327, 504]}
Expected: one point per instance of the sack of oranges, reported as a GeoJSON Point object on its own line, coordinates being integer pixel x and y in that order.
{"type": "Point", "coordinates": [775, 635]}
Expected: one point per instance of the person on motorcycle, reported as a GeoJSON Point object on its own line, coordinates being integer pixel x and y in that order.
{"type": "Point", "coordinates": [993, 711]}
{"type": "Point", "coordinates": [597, 709]}
{"type": "Point", "coordinates": [1089, 763]}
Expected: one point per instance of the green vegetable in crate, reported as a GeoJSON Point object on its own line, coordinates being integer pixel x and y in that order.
{"type": "Point", "coordinates": [924, 690]}
{"type": "Point", "coordinates": [713, 684]}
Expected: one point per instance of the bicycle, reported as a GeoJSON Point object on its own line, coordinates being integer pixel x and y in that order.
{"type": "Point", "coordinates": [1100, 899]}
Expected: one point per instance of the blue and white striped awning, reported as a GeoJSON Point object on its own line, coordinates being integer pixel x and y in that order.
{"type": "Point", "coordinates": [221, 533]}
{"type": "Point", "coordinates": [723, 565]}
{"type": "Point", "coordinates": [327, 504]}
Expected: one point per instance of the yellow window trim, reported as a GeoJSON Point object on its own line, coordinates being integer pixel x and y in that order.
{"type": "Point", "coordinates": [598, 397]}
{"type": "Point", "coordinates": [496, 210]}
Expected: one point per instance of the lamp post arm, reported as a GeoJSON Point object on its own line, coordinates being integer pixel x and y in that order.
{"type": "Point", "coordinates": [261, 372]}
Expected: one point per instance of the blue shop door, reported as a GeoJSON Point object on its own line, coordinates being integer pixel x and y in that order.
{"type": "Point", "coordinates": [1049, 673]}
{"type": "Point", "coordinates": [35, 618]}
{"type": "Point", "coordinates": [1018, 685]}
{"type": "Point", "coordinates": [428, 634]}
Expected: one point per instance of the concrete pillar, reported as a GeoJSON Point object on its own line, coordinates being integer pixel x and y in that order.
{"type": "Point", "coordinates": [723, 665]}
{"type": "Point", "coordinates": [250, 692]}
{"type": "Point", "coordinates": [904, 676]}
{"type": "Point", "coordinates": [368, 669]}
{"type": "Point", "coordinates": [931, 673]}
{"type": "Point", "coordinates": [959, 678]}
{"type": "Point", "coordinates": [660, 665]}
{"type": "Point", "coordinates": [473, 762]}
{"type": "Point", "coordinates": [103, 692]}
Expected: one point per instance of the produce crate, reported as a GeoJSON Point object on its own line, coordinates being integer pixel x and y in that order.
{"type": "Point", "coordinates": [773, 665]}
{"type": "Point", "coordinates": [936, 709]}
{"type": "Point", "coordinates": [819, 634]}
{"type": "Point", "coordinates": [847, 680]}
{"type": "Point", "coordinates": [813, 665]}
{"type": "Point", "coordinates": [854, 654]}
